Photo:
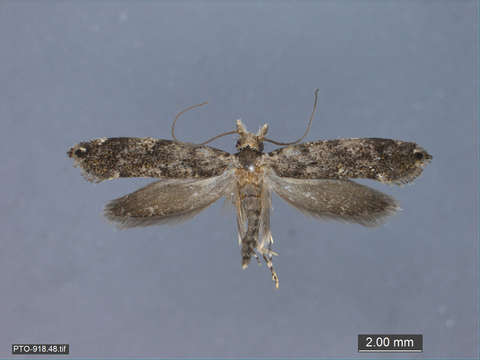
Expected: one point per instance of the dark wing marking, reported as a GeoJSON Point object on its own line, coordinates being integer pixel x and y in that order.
{"type": "Point", "coordinates": [110, 158]}
{"type": "Point", "coordinates": [342, 200]}
{"type": "Point", "coordinates": [169, 200]}
{"type": "Point", "coordinates": [385, 160]}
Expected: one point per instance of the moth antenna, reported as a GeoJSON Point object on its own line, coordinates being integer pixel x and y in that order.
{"type": "Point", "coordinates": [180, 114]}
{"type": "Point", "coordinates": [219, 136]}
{"type": "Point", "coordinates": [190, 108]}
{"type": "Point", "coordinates": [306, 131]}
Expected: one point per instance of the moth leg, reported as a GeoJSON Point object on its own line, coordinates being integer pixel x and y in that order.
{"type": "Point", "coordinates": [257, 258]}
{"type": "Point", "coordinates": [268, 261]}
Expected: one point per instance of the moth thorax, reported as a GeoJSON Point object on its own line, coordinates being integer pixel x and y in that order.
{"type": "Point", "coordinates": [248, 158]}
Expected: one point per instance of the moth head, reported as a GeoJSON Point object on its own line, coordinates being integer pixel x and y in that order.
{"type": "Point", "coordinates": [249, 140]}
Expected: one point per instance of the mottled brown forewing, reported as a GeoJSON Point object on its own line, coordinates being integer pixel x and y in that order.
{"type": "Point", "coordinates": [110, 158]}
{"type": "Point", "coordinates": [385, 160]}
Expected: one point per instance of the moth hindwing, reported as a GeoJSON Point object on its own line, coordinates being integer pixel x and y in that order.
{"type": "Point", "coordinates": [315, 177]}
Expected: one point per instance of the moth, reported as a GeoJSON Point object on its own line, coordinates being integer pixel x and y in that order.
{"type": "Point", "coordinates": [314, 177]}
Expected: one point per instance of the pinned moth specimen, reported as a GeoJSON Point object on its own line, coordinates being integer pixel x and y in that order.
{"type": "Point", "coordinates": [314, 177]}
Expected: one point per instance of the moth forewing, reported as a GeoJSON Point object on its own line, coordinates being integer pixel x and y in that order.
{"type": "Point", "coordinates": [111, 158]}
{"type": "Point", "coordinates": [385, 160]}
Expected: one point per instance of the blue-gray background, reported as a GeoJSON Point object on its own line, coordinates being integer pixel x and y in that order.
{"type": "Point", "coordinates": [72, 71]}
